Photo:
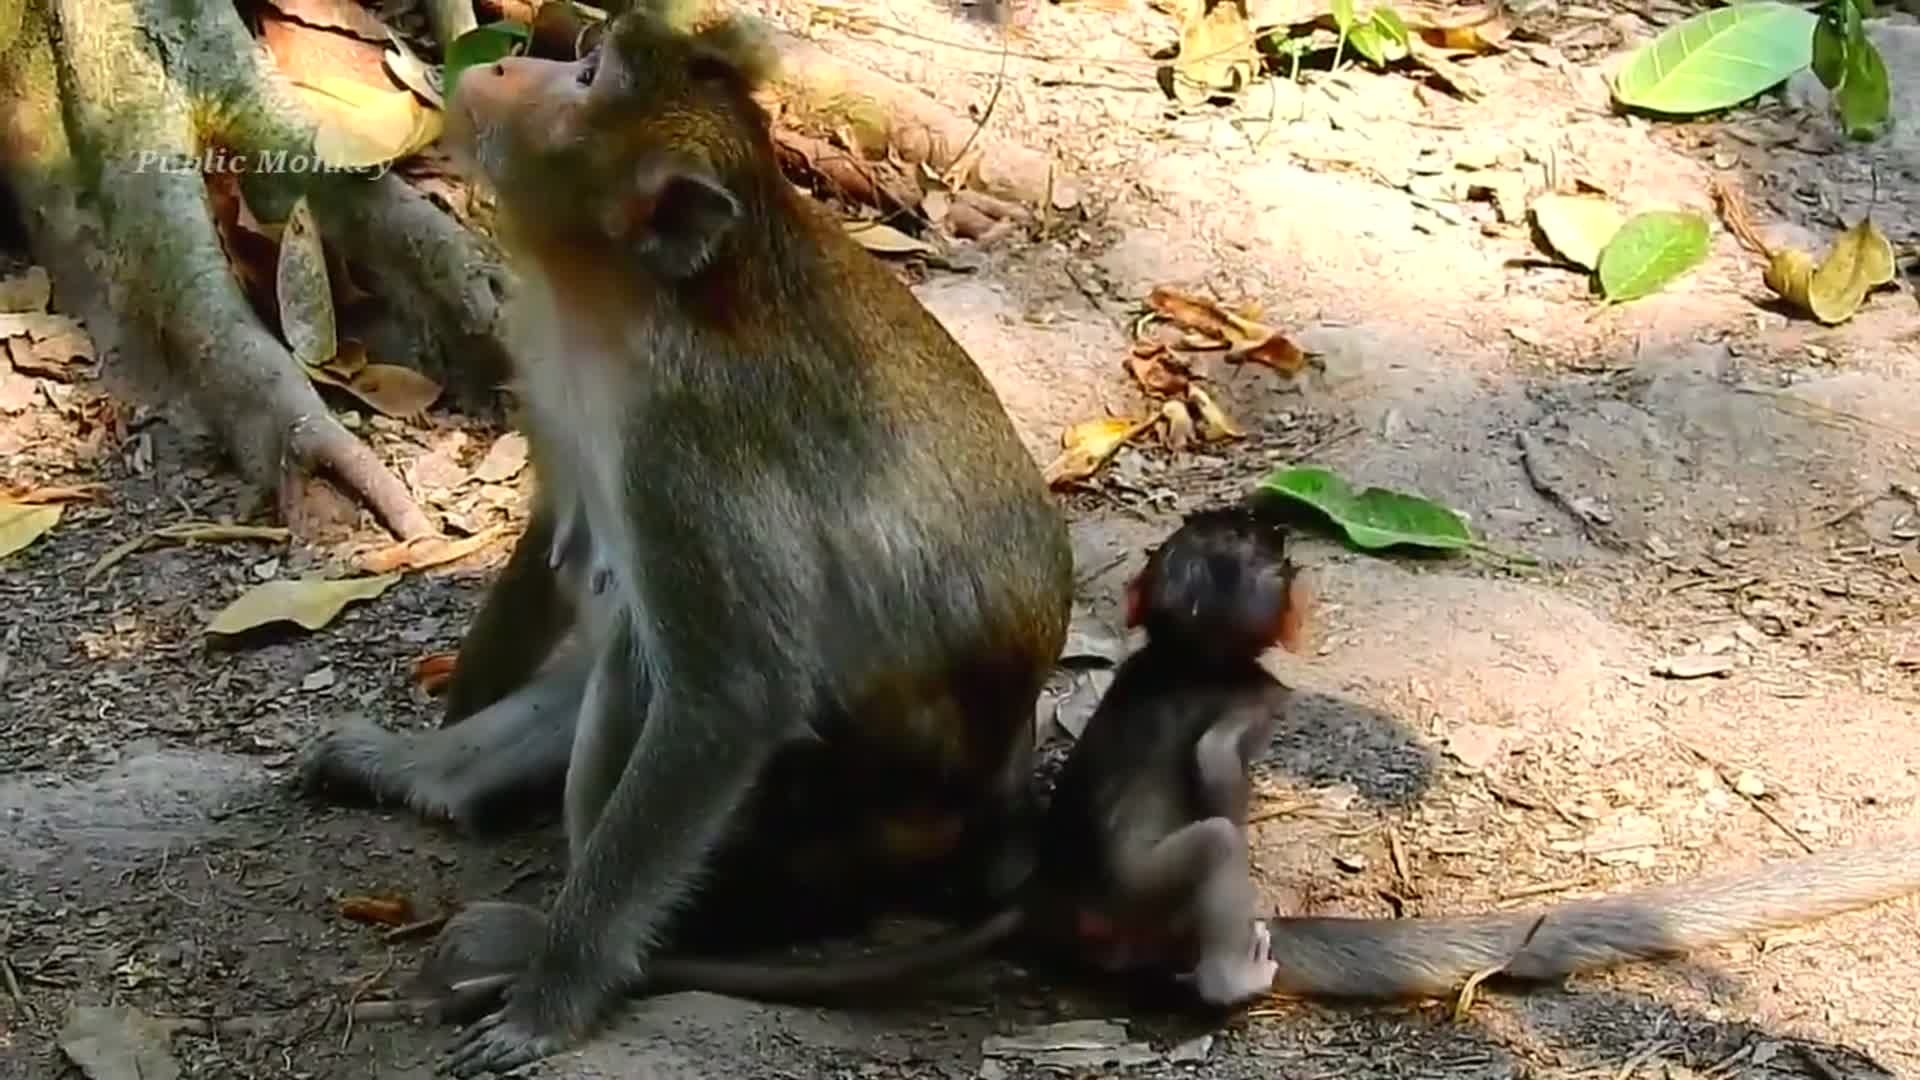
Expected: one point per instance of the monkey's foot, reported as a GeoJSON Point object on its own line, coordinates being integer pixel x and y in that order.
{"type": "Point", "coordinates": [358, 759]}
{"type": "Point", "coordinates": [505, 1039]}
{"type": "Point", "coordinates": [480, 953]}
{"type": "Point", "coordinates": [1230, 981]}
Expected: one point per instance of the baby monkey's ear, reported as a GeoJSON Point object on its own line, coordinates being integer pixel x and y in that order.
{"type": "Point", "coordinates": [674, 217]}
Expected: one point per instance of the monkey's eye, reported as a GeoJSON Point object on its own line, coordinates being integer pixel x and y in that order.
{"type": "Point", "coordinates": [589, 66]}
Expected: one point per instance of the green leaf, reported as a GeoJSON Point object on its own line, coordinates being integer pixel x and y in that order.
{"type": "Point", "coordinates": [1375, 517]}
{"type": "Point", "coordinates": [1829, 59]}
{"type": "Point", "coordinates": [481, 45]}
{"type": "Point", "coordinates": [1343, 15]}
{"type": "Point", "coordinates": [1390, 24]}
{"type": "Point", "coordinates": [1717, 58]}
{"type": "Point", "coordinates": [1861, 8]}
{"type": "Point", "coordinates": [1649, 251]}
{"type": "Point", "coordinates": [1368, 41]}
{"type": "Point", "coordinates": [1864, 97]}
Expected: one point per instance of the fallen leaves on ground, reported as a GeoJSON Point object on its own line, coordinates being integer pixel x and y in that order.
{"type": "Point", "coordinates": [1832, 290]}
{"type": "Point", "coordinates": [363, 127]}
{"type": "Point", "coordinates": [347, 15]}
{"type": "Point", "coordinates": [310, 603]}
{"type": "Point", "coordinates": [1650, 251]}
{"type": "Point", "coordinates": [305, 297]}
{"type": "Point", "coordinates": [35, 340]}
{"type": "Point", "coordinates": [425, 552]}
{"type": "Point", "coordinates": [1373, 517]}
{"type": "Point", "coordinates": [392, 390]}
{"type": "Point", "coordinates": [432, 672]}
{"type": "Point", "coordinates": [504, 459]}
{"type": "Point", "coordinates": [377, 910]}
{"type": "Point", "coordinates": [190, 532]}
{"type": "Point", "coordinates": [1089, 444]}
{"type": "Point", "coordinates": [884, 239]}
{"type": "Point", "coordinates": [1577, 227]}
{"type": "Point", "coordinates": [54, 493]}
{"type": "Point", "coordinates": [23, 523]}
{"type": "Point", "coordinates": [1245, 340]}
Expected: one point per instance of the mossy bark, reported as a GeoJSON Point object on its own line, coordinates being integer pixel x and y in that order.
{"type": "Point", "coordinates": [112, 105]}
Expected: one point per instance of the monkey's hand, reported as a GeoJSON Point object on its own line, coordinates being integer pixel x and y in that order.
{"type": "Point", "coordinates": [358, 759]}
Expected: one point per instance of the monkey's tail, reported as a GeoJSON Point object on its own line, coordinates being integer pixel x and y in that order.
{"type": "Point", "coordinates": [813, 981]}
{"type": "Point", "coordinates": [1433, 957]}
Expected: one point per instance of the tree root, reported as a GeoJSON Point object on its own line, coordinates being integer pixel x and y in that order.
{"type": "Point", "coordinates": [103, 144]}
{"type": "Point", "coordinates": [820, 95]}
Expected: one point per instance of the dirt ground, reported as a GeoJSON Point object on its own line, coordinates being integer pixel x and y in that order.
{"type": "Point", "coordinates": [1697, 474]}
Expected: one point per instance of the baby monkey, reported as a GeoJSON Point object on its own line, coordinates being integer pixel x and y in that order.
{"type": "Point", "coordinates": [1142, 863]}
{"type": "Point", "coordinates": [1146, 837]}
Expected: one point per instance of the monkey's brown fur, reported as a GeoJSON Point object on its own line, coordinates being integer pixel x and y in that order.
{"type": "Point", "coordinates": [834, 581]}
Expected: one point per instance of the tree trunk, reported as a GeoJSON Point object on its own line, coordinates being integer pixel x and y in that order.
{"type": "Point", "coordinates": [114, 104]}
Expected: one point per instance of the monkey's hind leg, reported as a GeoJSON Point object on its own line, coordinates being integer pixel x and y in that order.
{"type": "Point", "coordinates": [1197, 877]}
{"type": "Point", "coordinates": [475, 774]}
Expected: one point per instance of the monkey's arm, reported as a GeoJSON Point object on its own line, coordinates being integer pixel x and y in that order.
{"type": "Point", "coordinates": [525, 613]}
{"type": "Point", "coordinates": [1224, 754]}
{"type": "Point", "coordinates": [691, 766]}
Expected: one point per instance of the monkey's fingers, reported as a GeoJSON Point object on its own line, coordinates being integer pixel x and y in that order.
{"type": "Point", "coordinates": [469, 999]}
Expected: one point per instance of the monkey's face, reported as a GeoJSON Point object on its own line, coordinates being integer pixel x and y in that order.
{"type": "Point", "coordinates": [634, 144]}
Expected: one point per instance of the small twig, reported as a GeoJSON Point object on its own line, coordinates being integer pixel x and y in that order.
{"type": "Point", "coordinates": [1724, 772]}
{"type": "Point", "coordinates": [415, 929]}
{"type": "Point", "coordinates": [1464, 1001]}
{"type": "Point", "coordinates": [12, 980]}
{"type": "Point", "coordinates": [1817, 1062]}
{"type": "Point", "coordinates": [353, 999]}
{"type": "Point", "coordinates": [1542, 888]}
{"type": "Point", "coordinates": [1402, 868]}
{"type": "Point", "coordinates": [1641, 1058]}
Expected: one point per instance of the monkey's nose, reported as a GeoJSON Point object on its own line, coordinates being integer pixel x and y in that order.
{"type": "Point", "coordinates": [499, 68]}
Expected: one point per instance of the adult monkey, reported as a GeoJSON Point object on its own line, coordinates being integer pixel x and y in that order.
{"type": "Point", "coordinates": [834, 581]}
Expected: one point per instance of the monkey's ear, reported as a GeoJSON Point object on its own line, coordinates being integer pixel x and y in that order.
{"type": "Point", "coordinates": [674, 218]}
{"type": "Point", "coordinates": [1296, 612]}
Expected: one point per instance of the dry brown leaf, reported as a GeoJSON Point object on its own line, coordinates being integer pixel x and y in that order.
{"type": "Point", "coordinates": [503, 460]}
{"type": "Point", "coordinates": [303, 53]}
{"type": "Point", "coordinates": [252, 250]}
{"type": "Point", "coordinates": [1090, 443]}
{"type": "Point", "coordinates": [1219, 425]}
{"type": "Point", "coordinates": [54, 493]}
{"type": "Point", "coordinates": [424, 552]}
{"type": "Point", "coordinates": [363, 127]}
{"type": "Point", "coordinates": [1157, 370]}
{"type": "Point", "coordinates": [23, 523]}
{"type": "Point", "coordinates": [1860, 262]}
{"type": "Point", "coordinates": [28, 291]}
{"type": "Point", "coordinates": [1179, 432]}
{"type": "Point", "coordinates": [885, 239]}
{"type": "Point", "coordinates": [1487, 35]}
{"type": "Point", "coordinates": [432, 672]}
{"type": "Point", "coordinates": [349, 360]}
{"type": "Point", "coordinates": [305, 297]}
{"type": "Point", "coordinates": [378, 910]}
{"type": "Point", "coordinates": [1216, 49]}
{"type": "Point", "coordinates": [1247, 341]}
{"type": "Point", "coordinates": [189, 532]}
{"type": "Point", "coordinates": [40, 343]}
{"type": "Point", "coordinates": [345, 15]}
{"type": "Point", "coordinates": [414, 73]}
{"type": "Point", "coordinates": [307, 602]}
{"type": "Point", "coordinates": [395, 391]}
